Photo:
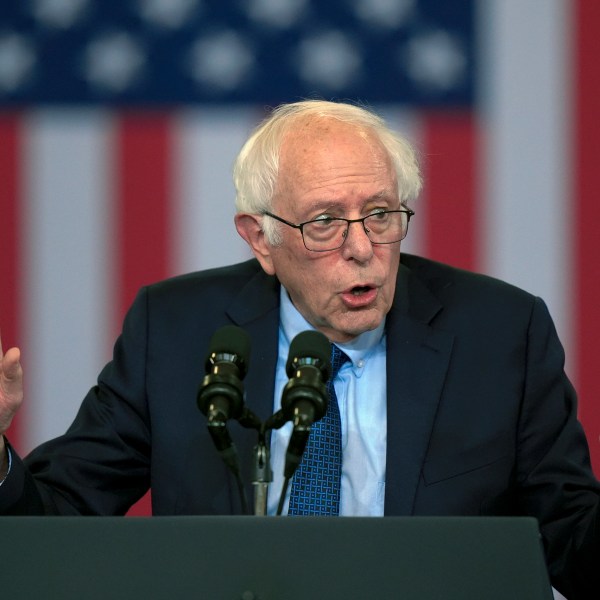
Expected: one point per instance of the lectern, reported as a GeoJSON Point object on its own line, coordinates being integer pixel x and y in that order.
{"type": "Point", "coordinates": [272, 558]}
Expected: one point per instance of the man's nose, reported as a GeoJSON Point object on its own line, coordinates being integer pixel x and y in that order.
{"type": "Point", "coordinates": [357, 245]}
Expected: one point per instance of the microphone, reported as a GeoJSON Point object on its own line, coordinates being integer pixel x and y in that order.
{"type": "Point", "coordinates": [304, 398]}
{"type": "Point", "coordinates": [221, 393]}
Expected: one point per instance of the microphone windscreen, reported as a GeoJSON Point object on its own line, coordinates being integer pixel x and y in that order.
{"type": "Point", "coordinates": [230, 340]}
{"type": "Point", "coordinates": [312, 346]}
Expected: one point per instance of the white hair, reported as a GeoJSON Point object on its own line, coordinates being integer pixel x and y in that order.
{"type": "Point", "coordinates": [256, 167]}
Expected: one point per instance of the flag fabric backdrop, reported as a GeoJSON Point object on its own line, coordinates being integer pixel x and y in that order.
{"type": "Point", "coordinates": [111, 181]}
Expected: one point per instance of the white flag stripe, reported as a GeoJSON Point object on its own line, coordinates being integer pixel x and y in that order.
{"type": "Point", "coordinates": [206, 144]}
{"type": "Point", "coordinates": [526, 117]}
{"type": "Point", "coordinates": [67, 274]}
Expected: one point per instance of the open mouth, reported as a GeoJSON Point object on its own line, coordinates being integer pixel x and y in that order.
{"type": "Point", "coordinates": [359, 296]}
{"type": "Point", "coordinates": [359, 290]}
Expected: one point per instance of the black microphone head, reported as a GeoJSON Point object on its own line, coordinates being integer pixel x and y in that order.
{"type": "Point", "coordinates": [229, 343]}
{"type": "Point", "coordinates": [310, 347]}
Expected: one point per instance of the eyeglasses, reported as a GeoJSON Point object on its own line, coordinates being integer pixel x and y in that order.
{"type": "Point", "coordinates": [328, 233]}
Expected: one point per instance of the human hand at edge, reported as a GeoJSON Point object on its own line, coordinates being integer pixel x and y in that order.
{"type": "Point", "coordinates": [11, 395]}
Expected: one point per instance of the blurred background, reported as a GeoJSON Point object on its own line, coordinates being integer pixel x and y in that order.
{"type": "Point", "coordinates": [120, 121]}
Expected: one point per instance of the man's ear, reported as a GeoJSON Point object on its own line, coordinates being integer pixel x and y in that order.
{"type": "Point", "coordinates": [249, 227]}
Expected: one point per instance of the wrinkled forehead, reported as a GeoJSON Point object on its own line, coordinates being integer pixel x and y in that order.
{"type": "Point", "coordinates": [312, 141]}
{"type": "Point", "coordinates": [310, 131]}
{"type": "Point", "coordinates": [316, 150]}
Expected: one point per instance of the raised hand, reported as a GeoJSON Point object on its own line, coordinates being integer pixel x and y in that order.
{"type": "Point", "coordinates": [11, 393]}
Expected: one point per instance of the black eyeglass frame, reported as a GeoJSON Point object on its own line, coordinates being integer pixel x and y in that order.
{"type": "Point", "coordinates": [407, 211]}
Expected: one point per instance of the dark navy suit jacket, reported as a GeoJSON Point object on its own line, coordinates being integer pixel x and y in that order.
{"type": "Point", "coordinates": [481, 417]}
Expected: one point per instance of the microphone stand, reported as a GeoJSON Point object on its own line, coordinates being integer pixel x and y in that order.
{"type": "Point", "coordinates": [275, 421]}
{"type": "Point", "coordinates": [262, 474]}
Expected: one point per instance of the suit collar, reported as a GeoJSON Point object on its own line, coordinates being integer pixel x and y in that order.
{"type": "Point", "coordinates": [256, 299]}
{"type": "Point", "coordinates": [256, 309]}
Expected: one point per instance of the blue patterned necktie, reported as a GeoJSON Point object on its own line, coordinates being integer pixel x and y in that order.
{"type": "Point", "coordinates": [316, 483]}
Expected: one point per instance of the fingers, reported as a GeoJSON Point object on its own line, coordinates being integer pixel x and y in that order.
{"type": "Point", "coordinates": [11, 386]}
{"type": "Point", "coordinates": [10, 362]}
{"type": "Point", "coordinates": [11, 365]}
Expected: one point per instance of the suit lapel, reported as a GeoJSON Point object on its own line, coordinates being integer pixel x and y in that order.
{"type": "Point", "coordinates": [256, 310]}
{"type": "Point", "coordinates": [417, 361]}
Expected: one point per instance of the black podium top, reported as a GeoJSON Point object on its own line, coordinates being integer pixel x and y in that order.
{"type": "Point", "coordinates": [272, 558]}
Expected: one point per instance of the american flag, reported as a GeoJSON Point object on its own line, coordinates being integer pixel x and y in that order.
{"type": "Point", "coordinates": [119, 123]}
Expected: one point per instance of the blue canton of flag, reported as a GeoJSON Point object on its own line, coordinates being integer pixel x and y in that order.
{"type": "Point", "coordinates": [164, 52]}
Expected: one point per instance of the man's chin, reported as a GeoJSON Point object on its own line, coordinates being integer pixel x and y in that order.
{"type": "Point", "coordinates": [349, 328]}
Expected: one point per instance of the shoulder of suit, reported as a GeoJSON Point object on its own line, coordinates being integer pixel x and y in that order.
{"type": "Point", "coordinates": [444, 280]}
{"type": "Point", "coordinates": [220, 281]}
{"type": "Point", "coordinates": [237, 290]}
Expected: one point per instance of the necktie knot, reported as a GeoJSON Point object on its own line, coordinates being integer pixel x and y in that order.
{"type": "Point", "coordinates": [338, 358]}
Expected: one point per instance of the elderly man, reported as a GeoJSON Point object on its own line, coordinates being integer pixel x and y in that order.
{"type": "Point", "coordinates": [452, 398]}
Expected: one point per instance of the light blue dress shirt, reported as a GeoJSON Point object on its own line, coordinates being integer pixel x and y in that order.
{"type": "Point", "coordinates": [361, 391]}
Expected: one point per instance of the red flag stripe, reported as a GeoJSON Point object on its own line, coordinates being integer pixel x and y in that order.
{"type": "Point", "coordinates": [143, 190]}
{"type": "Point", "coordinates": [450, 233]}
{"type": "Point", "coordinates": [10, 249]}
{"type": "Point", "coordinates": [586, 237]}
{"type": "Point", "coordinates": [144, 183]}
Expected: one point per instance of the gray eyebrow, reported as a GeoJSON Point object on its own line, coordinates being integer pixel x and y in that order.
{"type": "Point", "coordinates": [329, 203]}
